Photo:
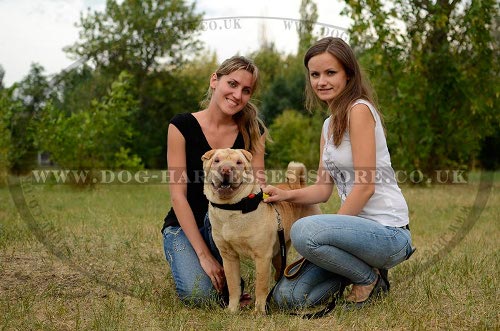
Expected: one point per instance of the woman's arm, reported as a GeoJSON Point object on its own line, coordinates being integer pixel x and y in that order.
{"type": "Point", "coordinates": [362, 134]}
{"type": "Point", "coordinates": [319, 192]}
{"type": "Point", "coordinates": [176, 157]}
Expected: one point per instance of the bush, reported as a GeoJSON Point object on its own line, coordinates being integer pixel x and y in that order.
{"type": "Point", "coordinates": [295, 137]}
{"type": "Point", "coordinates": [93, 138]}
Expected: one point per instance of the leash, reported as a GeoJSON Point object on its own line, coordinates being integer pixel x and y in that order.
{"type": "Point", "coordinates": [281, 237]}
{"type": "Point", "coordinates": [281, 272]}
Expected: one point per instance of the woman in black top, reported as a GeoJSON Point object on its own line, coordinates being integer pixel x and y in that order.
{"type": "Point", "coordinates": [229, 120]}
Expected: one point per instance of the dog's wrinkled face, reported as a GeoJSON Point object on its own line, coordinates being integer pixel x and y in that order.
{"type": "Point", "coordinates": [226, 171]}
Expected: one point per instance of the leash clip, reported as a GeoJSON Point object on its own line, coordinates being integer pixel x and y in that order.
{"type": "Point", "coordinates": [278, 217]}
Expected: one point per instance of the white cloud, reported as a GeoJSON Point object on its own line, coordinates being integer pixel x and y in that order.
{"type": "Point", "coordinates": [36, 31]}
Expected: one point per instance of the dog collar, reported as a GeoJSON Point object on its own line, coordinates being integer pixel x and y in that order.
{"type": "Point", "coordinates": [246, 205]}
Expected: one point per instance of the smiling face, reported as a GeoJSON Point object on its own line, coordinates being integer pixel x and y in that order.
{"type": "Point", "coordinates": [327, 76]}
{"type": "Point", "coordinates": [232, 92]}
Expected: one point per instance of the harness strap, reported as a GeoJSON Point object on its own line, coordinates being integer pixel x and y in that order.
{"type": "Point", "coordinates": [281, 238]}
{"type": "Point", "coordinates": [246, 205]}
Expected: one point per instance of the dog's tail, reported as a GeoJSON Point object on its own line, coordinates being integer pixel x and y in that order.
{"type": "Point", "coordinates": [296, 175]}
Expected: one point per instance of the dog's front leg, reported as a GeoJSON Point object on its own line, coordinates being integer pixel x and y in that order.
{"type": "Point", "coordinates": [233, 278]}
{"type": "Point", "coordinates": [263, 273]}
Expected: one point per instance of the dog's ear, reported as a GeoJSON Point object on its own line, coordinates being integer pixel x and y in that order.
{"type": "Point", "coordinates": [208, 155]}
{"type": "Point", "coordinates": [247, 154]}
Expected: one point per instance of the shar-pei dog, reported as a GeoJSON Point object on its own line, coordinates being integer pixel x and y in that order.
{"type": "Point", "coordinates": [244, 226]}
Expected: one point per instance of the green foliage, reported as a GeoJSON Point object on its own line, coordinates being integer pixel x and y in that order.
{"type": "Point", "coordinates": [2, 75]}
{"type": "Point", "coordinates": [151, 40]}
{"type": "Point", "coordinates": [138, 36]}
{"type": "Point", "coordinates": [92, 138]}
{"type": "Point", "coordinates": [165, 94]}
{"type": "Point", "coordinates": [7, 105]}
{"type": "Point", "coordinates": [296, 137]}
{"type": "Point", "coordinates": [74, 89]}
{"type": "Point", "coordinates": [284, 87]}
{"type": "Point", "coordinates": [436, 75]}
{"type": "Point", "coordinates": [435, 66]}
{"type": "Point", "coordinates": [29, 97]}
{"type": "Point", "coordinates": [271, 65]}
{"type": "Point", "coordinates": [286, 91]}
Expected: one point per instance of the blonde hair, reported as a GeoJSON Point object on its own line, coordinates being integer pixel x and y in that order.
{"type": "Point", "coordinates": [357, 86]}
{"type": "Point", "coordinates": [248, 121]}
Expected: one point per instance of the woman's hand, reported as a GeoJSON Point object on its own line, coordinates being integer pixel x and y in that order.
{"type": "Point", "coordinates": [215, 271]}
{"type": "Point", "coordinates": [274, 194]}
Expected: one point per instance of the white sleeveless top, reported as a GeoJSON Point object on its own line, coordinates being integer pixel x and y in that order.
{"type": "Point", "coordinates": [387, 205]}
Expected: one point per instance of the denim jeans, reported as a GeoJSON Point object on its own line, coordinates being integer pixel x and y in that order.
{"type": "Point", "coordinates": [192, 284]}
{"type": "Point", "coordinates": [339, 248]}
{"type": "Point", "coordinates": [312, 286]}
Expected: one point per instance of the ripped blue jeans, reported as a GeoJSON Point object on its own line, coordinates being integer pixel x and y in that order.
{"type": "Point", "coordinates": [192, 284]}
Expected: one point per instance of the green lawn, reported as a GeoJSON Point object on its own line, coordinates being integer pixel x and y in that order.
{"type": "Point", "coordinates": [81, 258]}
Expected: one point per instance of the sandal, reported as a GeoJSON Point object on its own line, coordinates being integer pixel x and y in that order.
{"type": "Point", "coordinates": [378, 290]}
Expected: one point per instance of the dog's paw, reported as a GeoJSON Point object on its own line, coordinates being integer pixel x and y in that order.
{"type": "Point", "coordinates": [233, 308]}
{"type": "Point", "coordinates": [260, 309]}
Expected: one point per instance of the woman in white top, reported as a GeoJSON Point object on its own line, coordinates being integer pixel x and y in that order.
{"type": "Point", "coordinates": [369, 233]}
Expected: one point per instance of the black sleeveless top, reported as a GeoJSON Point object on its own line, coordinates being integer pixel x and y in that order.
{"type": "Point", "coordinates": [196, 146]}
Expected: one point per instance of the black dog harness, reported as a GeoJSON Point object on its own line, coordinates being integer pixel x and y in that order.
{"type": "Point", "coordinates": [246, 205]}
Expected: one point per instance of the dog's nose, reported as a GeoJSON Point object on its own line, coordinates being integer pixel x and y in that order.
{"type": "Point", "coordinates": [226, 169]}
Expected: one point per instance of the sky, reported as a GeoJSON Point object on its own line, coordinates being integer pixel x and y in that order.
{"type": "Point", "coordinates": [36, 31]}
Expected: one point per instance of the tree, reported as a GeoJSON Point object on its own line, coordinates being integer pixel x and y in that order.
{"type": "Point", "coordinates": [169, 93]}
{"type": "Point", "coordinates": [5, 141]}
{"type": "Point", "coordinates": [295, 138]}
{"type": "Point", "coordinates": [2, 75]}
{"type": "Point", "coordinates": [433, 67]}
{"type": "Point", "coordinates": [286, 90]}
{"type": "Point", "coordinates": [150, 39]}
{"type": "Point", "coordinates": [30, 96]}
{"type": "Point", "coordinates": [271, 65]}
{"type": "Point", "coordinates": [93, 138]}
{"type": "Point", "coordinates": [138, 35]}
{"type": "Point", "coordinates": [8, 106]}
{"type": "Point", "coordinates": [74, 89]}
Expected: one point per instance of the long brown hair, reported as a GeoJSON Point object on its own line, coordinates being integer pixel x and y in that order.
{"type": "Point", "coordinates": [248, 121]}
{"type": "Point", "coordinates": [357, 86]}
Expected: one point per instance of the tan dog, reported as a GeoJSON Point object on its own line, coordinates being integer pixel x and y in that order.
{"type": "Point", "coordinates": [241, 232]}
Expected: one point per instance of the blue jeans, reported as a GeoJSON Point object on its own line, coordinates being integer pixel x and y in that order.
{"type": "Point", "coordinates": [339, 248]}
{"type": "Point", "coordinates": [192, 284]}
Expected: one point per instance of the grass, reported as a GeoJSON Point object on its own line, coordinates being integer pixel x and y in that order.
{"type": "Point", "coordinates": [93, 259]}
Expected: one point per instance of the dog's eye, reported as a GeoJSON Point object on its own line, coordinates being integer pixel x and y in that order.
{"type": "Point", "coordinates": [239, 162]}
{"type": "Point", "coordinates": [216, 160]}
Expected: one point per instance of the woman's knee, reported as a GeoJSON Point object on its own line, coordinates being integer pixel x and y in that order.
{"type": "Point", "coordinates": [300, 230]}
{"type": "Point", "coordinates": [301, 235]}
